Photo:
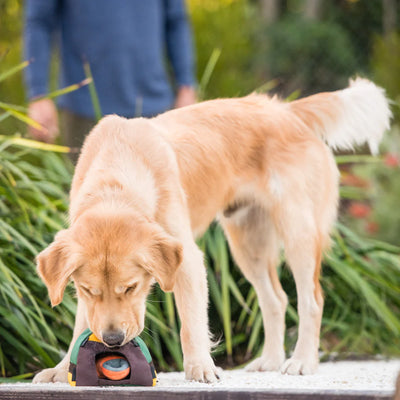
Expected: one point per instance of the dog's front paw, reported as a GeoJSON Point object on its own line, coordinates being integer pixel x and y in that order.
{"type": "Point", "coordinates": [300, 366]}
{"type": "Point", "coordinates": [201, 371]}
{"type": "Point", "coordinates": [265, 363]}
{"type": "Point", "coordinates": [56, 374]}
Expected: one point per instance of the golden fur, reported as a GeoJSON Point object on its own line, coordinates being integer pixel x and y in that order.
{"type": "Point", "coordinates": [143, 190]}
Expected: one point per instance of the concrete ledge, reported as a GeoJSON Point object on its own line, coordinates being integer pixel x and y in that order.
{"type": "Point", "coordinates": [346, 380]}
{"type": "Point", "coordinates": [86, 393]}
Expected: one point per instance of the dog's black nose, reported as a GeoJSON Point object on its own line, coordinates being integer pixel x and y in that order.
{"type": "Point", "coordinates": [113, 338]}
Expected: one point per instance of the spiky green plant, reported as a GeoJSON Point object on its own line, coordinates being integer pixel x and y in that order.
{"type": "Point", "coordinates": [33, 201]}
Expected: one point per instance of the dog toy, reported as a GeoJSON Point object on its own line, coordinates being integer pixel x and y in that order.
{"type": "Point", "coordinates": [113, 366]}
{"type": "Point", "coordinates": [92, 363]}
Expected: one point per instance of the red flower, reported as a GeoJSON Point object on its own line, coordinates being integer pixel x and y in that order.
{"type": "Point", "coordinates": [359, 210]}
{"type": "Point", "coordinates": [372, 227]}
{"type": "Point", "coordinates": [391, 160]}
{"type": "Point", "coordinates": [354, 180]}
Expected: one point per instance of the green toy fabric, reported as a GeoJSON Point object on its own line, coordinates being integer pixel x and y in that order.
{"type": "Point", "coordinates": [82, 370]}
{"type": "Point", "coordinates": [87, 332]}
{"type": "Point", "coordinates": [82, 337]}
{"type": "Point", "coordinates": [144, 349]}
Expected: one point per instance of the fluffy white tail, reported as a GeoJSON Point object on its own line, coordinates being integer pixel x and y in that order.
{"type": "Point", "coordinates": [353, 116]}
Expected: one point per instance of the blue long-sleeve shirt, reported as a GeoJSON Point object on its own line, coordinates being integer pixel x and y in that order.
{"type": "Point", "coordinates": [124, 42]}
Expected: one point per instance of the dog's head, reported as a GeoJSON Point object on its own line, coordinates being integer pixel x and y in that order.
{"type": "Point", "coordinates": [113, 261]}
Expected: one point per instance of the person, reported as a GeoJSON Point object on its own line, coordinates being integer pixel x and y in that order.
{"type": "Point", "coordinates": [124, 43]}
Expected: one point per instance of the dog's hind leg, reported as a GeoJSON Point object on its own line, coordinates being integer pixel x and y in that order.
{"type": "Point", "coordinates": [254, 244]}
{"type": "Point", "coordinates": [303, 249]}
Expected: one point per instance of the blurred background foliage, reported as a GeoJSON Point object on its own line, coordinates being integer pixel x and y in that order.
{"type": "Point", "coordinates": [288, 47]}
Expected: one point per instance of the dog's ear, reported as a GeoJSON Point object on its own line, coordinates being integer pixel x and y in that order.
{"type": "Point", "coordinates": [55, 264]}
{"type": "Point", "coordinates": [166, 256]}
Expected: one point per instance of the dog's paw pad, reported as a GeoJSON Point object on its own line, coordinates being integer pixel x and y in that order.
{"type": "Point", "coordinates": [297, 366]}
{"type": "Point", "coordinates": [51, 375]}
{"type": "Point", "coordinates": [264, 364]}
{"type": "Point", "coordinates": [202, 372]}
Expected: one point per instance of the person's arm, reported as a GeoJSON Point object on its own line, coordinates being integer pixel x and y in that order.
{"type": "Point", "coordinates": [40, 23]}
{"type": "Point", "coordinates": [180, 51]}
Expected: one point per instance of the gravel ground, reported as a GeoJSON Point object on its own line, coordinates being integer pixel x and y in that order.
{"type": "Point", "coordinates": [375, 376]}
{"type": "Point", "coordinates": [344, 375]}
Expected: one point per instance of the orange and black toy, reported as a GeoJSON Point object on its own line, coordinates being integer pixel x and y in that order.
{"type": "Point", "coordinates": [94, 364]}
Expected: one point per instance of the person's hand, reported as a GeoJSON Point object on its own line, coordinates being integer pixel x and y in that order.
{"type": "Point", "coordinates": [185, 97]}
{"type": "Point", "coordinates": [45, 113]}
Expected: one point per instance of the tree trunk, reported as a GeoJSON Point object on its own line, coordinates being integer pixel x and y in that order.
{"type": "Point", "coordinates": [312, 9]}
{"type": "Point", "coordinates": [389, 16]}
{"type": "Point", "coordinates": [269, 10]}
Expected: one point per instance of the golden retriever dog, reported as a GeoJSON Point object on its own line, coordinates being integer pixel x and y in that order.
{"type": "Point", "coordinates": [144, 189]}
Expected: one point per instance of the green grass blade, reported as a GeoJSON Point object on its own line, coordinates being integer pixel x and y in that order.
{"type": "Point", "coordinates": [22, 117]}
{"type": "Point", "coordinates": [6, 74]}
{"type": "Point", "coordinates": [255, 334]}
{"type": "Point", "coordinates": [68, 89]}
{"type": "Point", "coordinates": [34, 144]}
{"type": "Point", "coordinates": [223, 263]}
{"type": "Point", "coordinates": [353, 278]}
{"type": "Point", "coordinates": [357, 158]}
{"type": "Point", "coordinates": [7, 106]}
{"type": "Point", "coordinates": [208, 70]}
{"type": "Point", "coordinates": [4, 116]}
{"type": "Point", "coordinates": [93, 92]}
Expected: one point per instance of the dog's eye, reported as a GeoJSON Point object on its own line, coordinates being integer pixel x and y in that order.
{"type": "Point", "coordinates": [90, 291]}
{"type": "Point", "coordinates": [85, 290]}
{"type": "Point", "coordinates": [131, 288]}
